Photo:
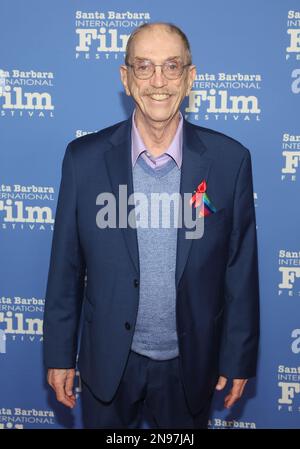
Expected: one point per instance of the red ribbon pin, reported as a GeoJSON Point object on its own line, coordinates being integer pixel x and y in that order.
{"type": "Point", "coordinates": [197, 197]}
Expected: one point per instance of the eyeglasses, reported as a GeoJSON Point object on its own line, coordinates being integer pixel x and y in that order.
{"type": "Point", "coordinates": [144, 69]}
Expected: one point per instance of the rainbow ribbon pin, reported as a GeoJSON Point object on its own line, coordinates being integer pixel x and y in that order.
{"type": "Point", "coordinates": [200, 197]}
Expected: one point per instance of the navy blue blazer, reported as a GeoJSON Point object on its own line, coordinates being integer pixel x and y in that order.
{"type": "Point", "coordinates": [217, 297]}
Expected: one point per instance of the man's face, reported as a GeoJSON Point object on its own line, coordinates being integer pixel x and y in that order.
{"type": "Point", "coordinates": [158, 99]}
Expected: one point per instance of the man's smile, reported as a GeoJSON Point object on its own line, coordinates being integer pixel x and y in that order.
{"type": "Point", "coordinates": [159, 97]}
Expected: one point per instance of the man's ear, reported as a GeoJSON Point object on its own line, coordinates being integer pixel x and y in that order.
{"type": "Point", "coordinates": [124, 78]}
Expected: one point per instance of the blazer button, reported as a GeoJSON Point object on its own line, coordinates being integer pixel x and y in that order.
{"type": "Point", "coordinates": [127, 325]}
{"type": "Point", "coordinates": [136, 283]}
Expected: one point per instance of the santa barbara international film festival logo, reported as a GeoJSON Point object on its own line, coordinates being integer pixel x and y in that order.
{"type": "Point", "coordinates": [293, 47]}
{"type": "Point", "coordinates": [104, 34]}
{"type": "Point", "coordinates": [20, 418]}
{"type": "Point", "coordinates": [289, 271]}
{"type": "Point", "coordinates": [288, 378]}
{"type": "Point", "coordinates": [33, 418]}
{"type": "Point", "coordinates": [21, 319]}
{"type": "Point", "coordinates": [26, 93]}
{"type": "Point", "coordinates": [21, 207]}
{"type": "Point", "coordinates": [224, 96]}
{"type": "Point", "coordinates": [221, 423]}
{"type": "Point", "coordinates": [291, 156]}
{"type": "Point", "coordinates": [293, 32]}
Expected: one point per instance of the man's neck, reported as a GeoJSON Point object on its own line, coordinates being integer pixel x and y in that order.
{"type": "Point", "coordinates": [157, 136]}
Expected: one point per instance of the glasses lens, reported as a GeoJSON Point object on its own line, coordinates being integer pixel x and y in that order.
{"type": "Point", "coordinates": [143, 69]}
{"type": "Point", "coordinates": [172, 69]}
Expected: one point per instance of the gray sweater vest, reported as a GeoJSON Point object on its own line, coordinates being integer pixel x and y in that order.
{"type": "Point", "coordinates": [155, 334]}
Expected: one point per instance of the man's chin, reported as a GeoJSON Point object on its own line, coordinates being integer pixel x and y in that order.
{"type": "Point", "coordinates": [161, 117]}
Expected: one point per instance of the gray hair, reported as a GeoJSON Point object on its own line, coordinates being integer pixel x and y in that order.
{"type": "Point", "coordinates": [170, 27]}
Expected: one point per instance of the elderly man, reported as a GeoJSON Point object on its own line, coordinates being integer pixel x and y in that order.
{"type": "Point", "coordinates": [166, 319]}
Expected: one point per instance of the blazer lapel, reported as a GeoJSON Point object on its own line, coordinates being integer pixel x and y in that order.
{"type": "Point", "coordinates": [195, 167]}
{"type": "Point", "coordinates": [119, 166]}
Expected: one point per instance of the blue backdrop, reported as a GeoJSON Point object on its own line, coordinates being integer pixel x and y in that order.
{"type": "Point", "coordinates": [59, 78]}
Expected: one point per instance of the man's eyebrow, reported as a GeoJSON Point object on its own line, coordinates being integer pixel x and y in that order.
{"type": "Point", "coordinates": [170, 58]}
{"type": "Point", "coordinates": [139, 58]}
{"type": "Point", "coordinates": [173, 57]}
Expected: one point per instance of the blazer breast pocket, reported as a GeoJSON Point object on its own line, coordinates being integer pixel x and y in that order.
{"type": "Point", "coordinates": [214, 220]}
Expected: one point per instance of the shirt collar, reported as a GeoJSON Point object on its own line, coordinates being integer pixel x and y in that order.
{"type": "Point", "coordinates": [175, 149]}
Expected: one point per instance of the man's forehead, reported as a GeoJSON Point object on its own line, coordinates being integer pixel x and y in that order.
{"type": "Point", "coordinates": [145, 44]}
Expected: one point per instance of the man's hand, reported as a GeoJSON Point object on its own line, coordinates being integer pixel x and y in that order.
{"type": "Point", "coordinates": [62, 381]}
{"type": "Point", "coordinates": [236, 391]}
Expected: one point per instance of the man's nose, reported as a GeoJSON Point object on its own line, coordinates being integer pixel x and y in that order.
{"type": "Point", "coordinates": [158, 79]}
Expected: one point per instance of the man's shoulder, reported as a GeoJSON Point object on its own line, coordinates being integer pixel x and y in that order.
{"type": "Point", "coordinates": [217, 142]}
{"type": "Point", "coordinates": [101, 136]}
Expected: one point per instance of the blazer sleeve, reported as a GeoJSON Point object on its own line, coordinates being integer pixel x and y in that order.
{"type": "Point", "coordinates": [65, 284]}
{"type": "Point", "coordinates": [240, 333]}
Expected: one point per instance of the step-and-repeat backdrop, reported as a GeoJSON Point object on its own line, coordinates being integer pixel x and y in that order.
{"type": "Point", "coordinates": [59, 79]}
